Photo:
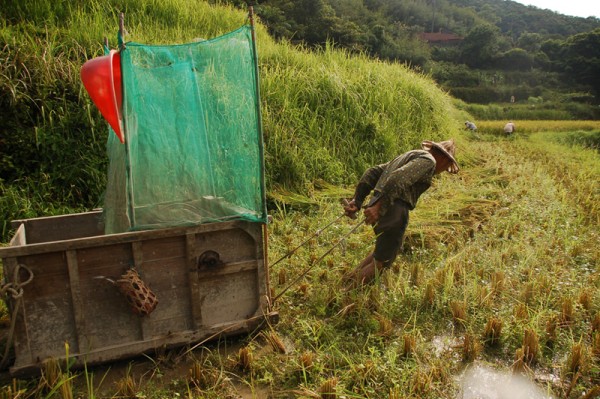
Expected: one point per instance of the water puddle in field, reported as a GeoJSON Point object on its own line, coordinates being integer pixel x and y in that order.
{"type": "Point", "coordinates": [442, 344]}
{"type": "Point", "coordinates": [480, 382]}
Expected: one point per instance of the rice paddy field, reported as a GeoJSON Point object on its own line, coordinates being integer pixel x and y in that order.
{"type": "Point", "coordinates": [498, 279]}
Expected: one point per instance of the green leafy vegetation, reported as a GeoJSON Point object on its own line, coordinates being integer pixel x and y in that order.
{"type": "Point", "coordinates": [482, 51]}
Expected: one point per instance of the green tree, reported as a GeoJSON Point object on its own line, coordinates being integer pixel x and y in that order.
{"type": "Point", "coordinates": [530, 42]}
{"type": "Point", "coordinates": [582, 58]}
{"type": "Point", "coordinates": [480, 46]}
{"type": "Point", "coordinates": [553, 49]}
{"type": "Point", "coordinates": [516, 59]}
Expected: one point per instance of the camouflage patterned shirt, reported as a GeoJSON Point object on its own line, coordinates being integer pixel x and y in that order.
{"type": "Point", "coordinates": [404, 178]}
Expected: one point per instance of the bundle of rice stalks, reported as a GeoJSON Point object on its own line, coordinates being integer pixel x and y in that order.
{"type": "Point", "coordinates": [429, 295]}
{"type": "Point", "coordinates": [471, 348]}
{"type": "Point", "coordinates": [12, 391]}
{"type": "Point", "coordinates": [414, 274]}
{"type": "Point", "coordinates": [50, 373]}
{"type": "Point", "coordinates": [484, 296]}
{"type": "Point", "coordinates": [530, 346]}
{"type": "Point", "coordinates": [282, 277]}
{"type": "Point", "coordinates": [420, 382]}
{"type": "Point", "coordinates": [409, 346]}
{"type": "Point", "coordinates": [551, 325]}
{"type": "Point", "coordinates": [492, 331]}
{"type": "Point", "coordinates": [527, 293]}
{"type": "Point", "coordinates": [497, 282]}
{"type": "Point", "coordinates": [577, 359]}
{"type": "Point", "coordinates": [459, 312]}
{"type": "Point", "coordinates": [596, 323]}
{"type": "Point", "coordinates": [245, 358]}
{"type": "Point", "coordinates": [521, 312]}
{"type": "Point", "coordinates": [386, 326]}
{"type": "Point", "coordinates": [274, 340]}
{"type": "Point", "coordinates": [586, 299]}
{"type": "Point", "coordinates": [567, 313]}
{"type": "Point", "coordinates": [327, 390]}
{"type": "Point", "coordinates": [127, 388]}
{"type": "Point", "coordinates": [596, 346]}
{"type": "Point", "coordinates": [306, 359]}
{"type": "Point", "coordinates": [519, 365]}
{"type": "Point", "coordinates": [203, 377]}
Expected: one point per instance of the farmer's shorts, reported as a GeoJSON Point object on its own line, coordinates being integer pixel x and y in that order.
{"type": "Point", "coordinates": [390, 232]}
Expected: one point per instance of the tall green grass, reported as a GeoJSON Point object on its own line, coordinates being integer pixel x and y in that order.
{"type": "Point", "coordinates": [327, 114]}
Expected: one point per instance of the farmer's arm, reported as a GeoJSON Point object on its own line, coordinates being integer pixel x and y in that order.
{"type": "Point", "coordinates": [366, 183]}
{"type": "Point", "coordinates": [364, 187]}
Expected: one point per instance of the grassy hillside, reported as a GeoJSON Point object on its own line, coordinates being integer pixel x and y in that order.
{"type": "Point", "coordinates": [327, 115]}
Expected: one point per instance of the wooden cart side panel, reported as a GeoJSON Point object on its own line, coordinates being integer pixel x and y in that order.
{"type": "Point", "coordinates": [231, 299]}
{"type": "Point", "coordinates": [71, 299]}
{"type": "Point", "coordinates": [163, 267]}
{"type": "Point", "coordinates": [77, 300]}
{"type": "Point", "coordinates": [194, 286]}
{"type": "Point", "coordinates": [46, 318]}
{"type": "Point", "coordinates": [177, 339]}
{"type": "Point", "coordinates": [60, 228]}
{"type": "Point", "coordinates": [109, 320]}
{"type": "Point", "coordinates": [235, 296]}
{"type": "Point", "coordinates": [103, 240]}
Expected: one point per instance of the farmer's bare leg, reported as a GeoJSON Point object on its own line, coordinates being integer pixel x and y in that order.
{"type": "Point", "coordinates": [390, 232]}
{"type": "Point", "coordinates": [369, 271]}
{"type": "Point", "coordinates": [352, 275]}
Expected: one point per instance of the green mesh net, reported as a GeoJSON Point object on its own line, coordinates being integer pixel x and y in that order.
{"type": "Point", "coordinates": [193, 143]}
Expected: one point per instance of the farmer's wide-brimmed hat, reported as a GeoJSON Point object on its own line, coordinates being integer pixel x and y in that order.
{"type": "Point", "coordinates": [445, 147]}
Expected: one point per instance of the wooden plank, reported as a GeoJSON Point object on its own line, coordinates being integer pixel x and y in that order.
{"type": "Point", "coordinates": [138, 262]}
{"type": "Point", "coordinates": [229, 268]}
{"type": "Point", "coordinates": [164, 248]}
{"type": "Point", "coordinates": [64, 227]}
{"type": "Point", "coordinates": [113, 321]}
{"type": "Point", "coordinates": [195, 306]}
{"type": "Point", "coordinates": [231, 298]}
{"type": "Point", "coordinates": [120, 238]}
{"type": "Point", "coordinates": [138, 255]}
{"type": "Point", "coordinates": [117, 352]}
{"type": "Point", "coordinates": [263, 274]}
{"type": "Point", "coordinates": [78, 310]}
{"type": "Point", "coordinates": [43, 321]}
{"type": "Point", "coordinates": [21, 341]}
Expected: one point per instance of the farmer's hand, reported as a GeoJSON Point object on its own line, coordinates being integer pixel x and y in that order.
{"type": "Point", "coordinates": [372, 213]}
{"type": "Point", "coordinates": [350, 209]}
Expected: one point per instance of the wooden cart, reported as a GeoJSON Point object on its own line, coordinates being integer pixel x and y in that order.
{"type": "Point", "coordinates": [210, 280]}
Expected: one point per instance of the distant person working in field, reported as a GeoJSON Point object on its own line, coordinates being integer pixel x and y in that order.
{"type": "Point", "coordinates": [470, 126]}
{"type": "Point", "coordinates": [509, 128]}
{"type": "Point", "coordinates": [397, 186]}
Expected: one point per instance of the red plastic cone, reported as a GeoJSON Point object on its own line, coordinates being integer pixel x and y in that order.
{"type": "Point", "coordinates": [101, 77]}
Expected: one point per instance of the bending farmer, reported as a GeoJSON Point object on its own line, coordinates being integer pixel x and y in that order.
{"type": "Point", "coordinates": [397, 186]}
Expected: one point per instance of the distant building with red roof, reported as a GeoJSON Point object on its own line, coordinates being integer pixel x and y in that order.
{"type": "Point", "coordinates": [440, 38]}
